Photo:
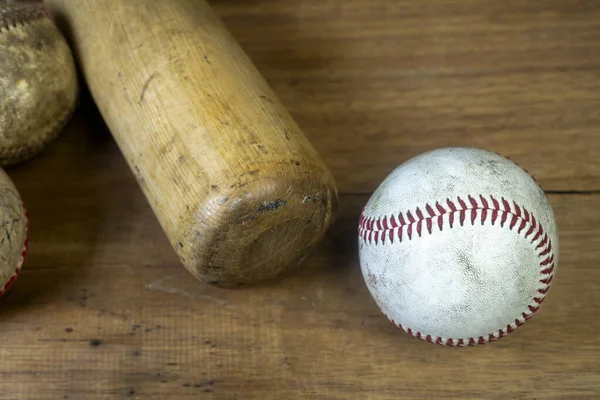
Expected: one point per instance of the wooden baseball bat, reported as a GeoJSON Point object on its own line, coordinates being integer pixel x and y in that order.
{"type": "Point", "coordinates": [238, 189]}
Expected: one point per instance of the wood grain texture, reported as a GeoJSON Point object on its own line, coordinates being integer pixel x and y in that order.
{"type": "Point", "coordinates": [103, 310]}
{"type": "Point", "coordinates": [239, 190]}
{"type": "Point", "coordinates": [396, 78]}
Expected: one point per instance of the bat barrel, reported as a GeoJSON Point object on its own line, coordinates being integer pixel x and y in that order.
{"type": "Point", "coordinates": [254, 232]}
{"type": "Point", "coordinates": [237, 187]}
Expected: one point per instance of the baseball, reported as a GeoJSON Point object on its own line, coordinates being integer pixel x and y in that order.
{"type": "Point", "coordinates": [458, 246]}
{"type": "Point", "coordinates": [38, 84]}
{"type": "Point", "coordinates": [14, 228]}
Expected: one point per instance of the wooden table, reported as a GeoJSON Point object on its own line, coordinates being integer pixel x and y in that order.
{"type": "Point", "coordinates": [104, 310]}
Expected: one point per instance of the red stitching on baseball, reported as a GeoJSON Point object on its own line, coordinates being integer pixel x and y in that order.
{"type": "Point", "coordinates": [370, 235]}
{"type": "Point", "coordinates": [20, 14]}
{"type": "Point", "coordinates": [15, 274]}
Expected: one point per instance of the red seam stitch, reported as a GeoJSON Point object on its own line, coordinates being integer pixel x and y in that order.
{"type": "Point", "coordinates": [548, 270]}
{"type": "Point", "coordinates": [517, 209]}
{"type": "Point", "coordinates": [411, 219]}
{"type": "Point", "coordinates": [401, 219]}
{"type": "Point", "coordinates": [21, 15]}
{"type": "Point", "coordinates": [495, 202]}
{"type": "Point", "coordinates": [548, 260]}
{"type": "Point", "coordinates": [473, 202]}
{"type": "Point", "coordinates": [451, 205]}
{"type": "Point", "coordinates": [494, 216]}
{"type": "Point", "coordinates": [441, 209]}
{"type": "Point", "coordinates": [544, 239]}
{"type": "Point", "coordinates": [517, 213]}
{"type": "Point", "coordinates": [430, 210]}
{"type": "Point", "coordinates": [522, 225]}
{"type": "Point", "coordinates": [530, 230]}
{"type": "Point", "coordinates": [419, 214]}
{"type": "Point", "coordinates": [21, 261]}
{"type": "Point", "coordinates": [506, 205]}
{"type": "Point", "coordinates": [503, 219]}
{"type": "Point", "coordinates": [513, 222]}
{"type": "Point", "coordinates": [484, 202]}
{"type": "Point", "coordinates": [385, 224]}
{"type": "Point", "coordinates": [546, 251]}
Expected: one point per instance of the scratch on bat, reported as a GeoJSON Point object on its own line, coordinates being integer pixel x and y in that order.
{"type": "Point", "coordinates": [234, 203]}
{"type": "Point", "coordinates": [145, 87]}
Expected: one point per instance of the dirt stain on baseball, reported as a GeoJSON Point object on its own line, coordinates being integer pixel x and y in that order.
{"type": "Point", "coordinates": [465, 259]}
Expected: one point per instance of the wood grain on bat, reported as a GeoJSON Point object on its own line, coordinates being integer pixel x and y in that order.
{"type": "Point", "coordinates": [240, 192]}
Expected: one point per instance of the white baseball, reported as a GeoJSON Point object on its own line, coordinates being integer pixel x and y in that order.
{"type": "Point", "coordinates": [458, 246]}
